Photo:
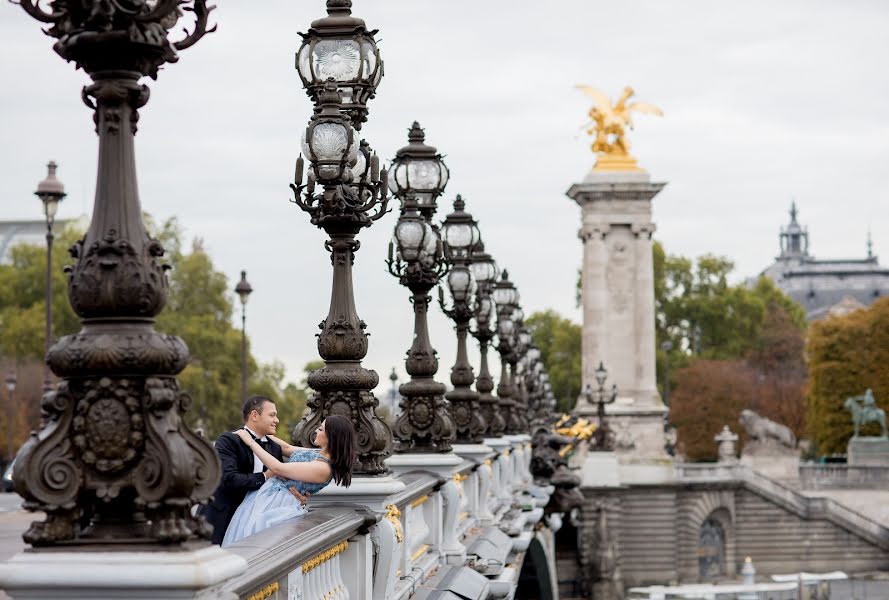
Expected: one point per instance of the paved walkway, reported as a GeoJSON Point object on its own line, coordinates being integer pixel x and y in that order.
{"type": "Point", "coordinates": [13, 521]}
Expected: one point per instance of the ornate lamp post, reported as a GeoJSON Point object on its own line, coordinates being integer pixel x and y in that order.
{"type": "Point", "coordinates": [115, 453]}
{"type": "Point", "coordinates": [461, 236]}
{"type": "Point", "coordinates": [521, 343]}
{"type": "Point", "coordinates": [51, 192]}
{"type": "Point", "coordinates": [243, 290]}
{"type": "Point", "coordinates": [506, 298]}
{"type": "Point", "coordinates": [484, 271]}
{"type": "Point", "coordinates": [601, 397]}
{"type": "Point", "coordinates": [339, 60]}
{"type": "Point", "coordinates": [10, 389]}
{"type": "Point", "coordinates": [420, 175]}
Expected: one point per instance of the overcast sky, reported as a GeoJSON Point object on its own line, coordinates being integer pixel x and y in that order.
{"type": "Point", "coordinates": [763, 102]}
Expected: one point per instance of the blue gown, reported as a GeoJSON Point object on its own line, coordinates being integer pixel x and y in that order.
{"type": "Point", "coordinates": [272, 503]}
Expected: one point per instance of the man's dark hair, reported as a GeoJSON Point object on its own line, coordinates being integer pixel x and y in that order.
{"type": "Point", "coordinates": [254, 403]}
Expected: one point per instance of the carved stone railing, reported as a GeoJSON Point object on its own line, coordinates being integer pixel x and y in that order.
{"type": "Point", "coordinates": [472, 527]}
{"type": "Point", "coordinates": [843, 477]}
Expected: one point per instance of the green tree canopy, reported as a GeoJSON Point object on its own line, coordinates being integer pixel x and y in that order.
{"type": "Point", "coordinates": [199, 309]}
{"type": "Point", "coordinates": [558, 339]}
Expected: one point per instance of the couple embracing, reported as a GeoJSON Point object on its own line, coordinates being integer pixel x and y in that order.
{"type": "Point", "coordinates": [266, 481]}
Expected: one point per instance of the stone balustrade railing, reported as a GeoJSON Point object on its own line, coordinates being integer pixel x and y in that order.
{"type": "Point", "coordinates": [843, 477]}
{"type": "Point", "coordinates": [437, 532]}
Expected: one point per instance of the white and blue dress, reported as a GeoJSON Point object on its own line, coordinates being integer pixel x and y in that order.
{"type": "Point", "coordinates": [272, 503]}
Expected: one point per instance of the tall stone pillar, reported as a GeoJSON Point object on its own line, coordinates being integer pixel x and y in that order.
{"type": "Point", "coordinates": [618, 303]}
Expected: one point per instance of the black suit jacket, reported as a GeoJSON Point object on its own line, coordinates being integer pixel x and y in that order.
{"type": "Point", "coordinates": [238, 478]}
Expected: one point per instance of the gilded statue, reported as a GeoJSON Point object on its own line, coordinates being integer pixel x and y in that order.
{"type": "Point", "coordinates": [608, 125]}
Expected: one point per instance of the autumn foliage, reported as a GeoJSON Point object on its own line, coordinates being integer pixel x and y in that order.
{"type": "Point", "coordinates": [846, 355]}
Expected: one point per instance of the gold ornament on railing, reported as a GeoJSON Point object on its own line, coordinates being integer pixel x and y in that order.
{"type": "Point", "coordinates": [392, 516]}
{"type": "Point", "coordinates": [323, 557]}
{"type": "Point", "coordinates": [608, 125]}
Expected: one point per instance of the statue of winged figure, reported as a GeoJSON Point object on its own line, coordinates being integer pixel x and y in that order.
{"type": "Point", "coordinates": [608, 122]}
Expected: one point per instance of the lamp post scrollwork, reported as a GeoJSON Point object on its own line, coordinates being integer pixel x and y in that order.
{"type": "Point", "coordinates": [424, 425]}
{"type": "Point", "coordinates": [115, 462]}
{"type": "Point", "coordinates": [353, 195]}
{"type": "Point", "coordinates": [461, 236]}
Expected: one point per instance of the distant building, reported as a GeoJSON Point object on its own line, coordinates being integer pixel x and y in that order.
{"type": "Point", "coordinates": [32, 232]}
{"type": "Point", "coordinates": [825, 287]}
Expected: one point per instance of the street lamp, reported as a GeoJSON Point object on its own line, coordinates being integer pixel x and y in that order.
{"type": "Point", "coordinates": [424, 424]}
{"type": "Point", "coordinates": [115, 462]}
{"type": "Point", "coordinates": [340, 48]}
{"type": "Point", "coordinates": [340, 68]}
{"type": "Point", "coordinates": [243, 290]}
{"type": "Point", "coordinates": [484, 270]}
{"type": "Point", "coordinates": [601, 397]}
{"type": "Point", "coordinates": [506, 298]}
{"type": "Point", "coordinates": [10, 388]}
{"type": "Point", "coordinates": [461, 237]}
{"type": "Point", "coordinates": [51, 192]}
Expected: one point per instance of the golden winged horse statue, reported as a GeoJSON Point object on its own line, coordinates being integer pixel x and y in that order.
{"type": "Point", "coordinates": [608, 125]}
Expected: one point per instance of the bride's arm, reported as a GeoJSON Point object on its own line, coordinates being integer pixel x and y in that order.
{"type": "Point", "coordinates": [286, 449]}
{"type": "Point", "coordinates": [316, 471]}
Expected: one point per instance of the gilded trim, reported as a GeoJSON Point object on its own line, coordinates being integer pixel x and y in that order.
{"type": "Point", "coordinates": [420, 551]}
{"type": "Point", "coordinates": [419, 501]}
{"type": "Point", "coordinates": [462, 516]}
{"type": "Point", "coordinates": [460, 477]}
{"type": "Point", "coordinates": [322, 558]}
{"type": "Point", "coordinates": [265, 592]}
{"type": "Point", "coordinates": [393, 517]}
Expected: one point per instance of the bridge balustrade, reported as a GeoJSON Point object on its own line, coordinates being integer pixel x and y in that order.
{"type": "Point", "coordinates": [470, 531]}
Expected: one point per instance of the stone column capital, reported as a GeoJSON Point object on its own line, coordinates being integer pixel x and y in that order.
{"type": "Point", "coordinates": [597, 231]}
{"type": "Point", "coordinates": [643, 230]}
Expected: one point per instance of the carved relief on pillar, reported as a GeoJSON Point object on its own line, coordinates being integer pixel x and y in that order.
{"type": "Point", "coordinates": [619, 273]}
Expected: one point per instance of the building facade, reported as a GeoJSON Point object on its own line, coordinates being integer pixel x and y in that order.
{"type": "Point", "coordinates": [825, 287]}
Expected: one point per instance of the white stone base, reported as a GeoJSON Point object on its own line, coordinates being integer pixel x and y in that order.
{"type": "Point", "coordinates": [498, 444]}
{"type": "Point", "coordinates": [442, 464]}
{"type": "Point", "coordinates": [132, 575]}
{"type": "Point", "coordinates": [371, 492]}
{"type": "Point", "coordinates": [474, 452]}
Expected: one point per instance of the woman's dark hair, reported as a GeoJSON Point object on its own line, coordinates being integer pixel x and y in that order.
{"type": "Point", "coordinates": [341, 444]}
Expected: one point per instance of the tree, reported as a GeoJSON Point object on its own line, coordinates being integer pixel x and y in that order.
{"type": "Point", "coordinates": [199, 309]}
{"type": "Point", "coordinates": [559, 340]}
{"type": "Point", "coordinates": [847, 355]}
{"type": "Point", "coordinates": [751, 336]}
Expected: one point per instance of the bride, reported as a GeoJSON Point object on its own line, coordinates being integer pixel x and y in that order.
{"type": "Point", "coordinates": [308, 470]}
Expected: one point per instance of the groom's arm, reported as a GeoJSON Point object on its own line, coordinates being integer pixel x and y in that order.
{"type": "Point", "coordinates": [232, 479]}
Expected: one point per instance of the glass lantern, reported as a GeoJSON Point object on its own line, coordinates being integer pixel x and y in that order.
{"type": "Point", "coordinates": [409, 238]}
{"type": "Point", "coordinates": [419, 173]}
{"type": "Point", "coordinates": [460, 283]}
{"type": "Point", "coordinates": [341, 49]}
{"type": "Point", "coordinates": [505, 294]}
{"type": "Point", "coordinates": [483, 267]}
{"type": "Point", "coordinates": [460, 233]}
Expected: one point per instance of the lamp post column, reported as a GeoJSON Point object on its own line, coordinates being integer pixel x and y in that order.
{"type": "Point", "coordinates": [485, 271]}
{"type": "Point", "coordinates": [461, 236]}
{"type": "Point", "coordinates": [51, 192]}
{"type": "Point", "coordinates": [243, 290]}
{"type": "Point", "coordinates": [115, 462]}
{"type": "Point", "coordinates": [10, 388]}
{"type": "Point", "coordinates": [419, 175]}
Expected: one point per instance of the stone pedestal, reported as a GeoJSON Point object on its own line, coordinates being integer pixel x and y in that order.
{"type": "Point", "coordinates": [618, 304]}
{"type": "Point", "coordinates": [868, 451]}
{"type": "Point", "coordinates": [82, 575]}
{"type": "Point", "coordinates": [772, 459]}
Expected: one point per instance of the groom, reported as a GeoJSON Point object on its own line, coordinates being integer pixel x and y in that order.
{"type": "Point", "coordinates": [242, 471]}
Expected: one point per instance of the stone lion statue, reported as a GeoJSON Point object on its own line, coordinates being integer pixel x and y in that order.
{"type": "Point", "coordinates": [763, 430]}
